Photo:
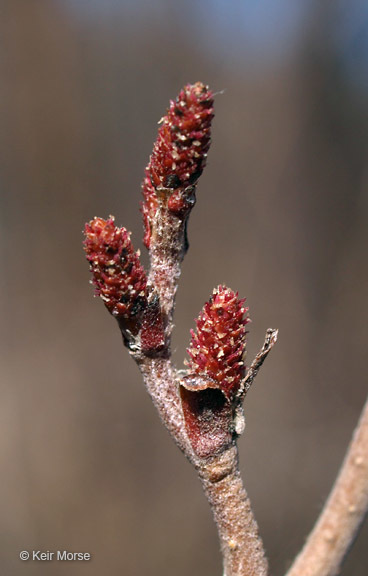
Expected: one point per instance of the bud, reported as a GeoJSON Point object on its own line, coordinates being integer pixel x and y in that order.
{"type": "Point", "coordinates": [217, 348]}
{"type": "Point", "coordinates": [216, 368]}
{"type": "Point", "coordinates": [179, 153]}
{"type": "Point", "coordinates": [118, 275]}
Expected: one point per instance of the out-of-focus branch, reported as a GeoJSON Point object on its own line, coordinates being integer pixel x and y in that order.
{"type": "Point", "coordinates": [343, 513]}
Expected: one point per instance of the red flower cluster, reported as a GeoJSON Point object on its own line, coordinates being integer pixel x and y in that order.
{"type": "Point", "coordinates": [118, 275]}
{"type": "Point", "coordinates": [180, 151]}
{"type": "Point", "coordinates": [217, 349]}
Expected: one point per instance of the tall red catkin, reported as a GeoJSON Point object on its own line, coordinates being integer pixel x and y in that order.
{"type": "Point", "coordinates": [217, 347]}
{"type": "Point", "coordinates": [117, 273]}
{"type": "Point", "coordinates": [179, 153]}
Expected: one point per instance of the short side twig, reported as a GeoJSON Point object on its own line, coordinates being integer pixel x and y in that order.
{"type": "Point", "coordinates": [343, 514]}
{"type": "Point", "coordinates": [269, 342]}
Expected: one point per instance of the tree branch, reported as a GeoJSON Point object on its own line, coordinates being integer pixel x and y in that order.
{"type": "Point", "coordinates": [343, 513]}
{"type": "Point", "coordinates": [269, 342]}
{"type": "Point", "coordinates": [202, 406]}
{"type": "Point", "coordinates": [241, 545]}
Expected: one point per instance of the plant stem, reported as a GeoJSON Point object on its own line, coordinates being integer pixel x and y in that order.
{"type": "Point", "coordinates": [241, 545]}
{"type": "Point", "coordinates": [343, 513]}
{"type": "Point", "coordinates": [166, 254]}
{"type": "Point", "coordinates": [161, 382]}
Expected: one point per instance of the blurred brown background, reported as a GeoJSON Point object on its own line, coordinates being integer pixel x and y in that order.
{"type": "Point", "coordinates": [281, 216]}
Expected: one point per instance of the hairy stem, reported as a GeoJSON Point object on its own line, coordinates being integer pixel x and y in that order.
{"type": "Point", "coordinates": [343, 513]}
{"type": "Point", "coordinates": [162, 385]}
{"type": "Point", "coordinates": [241, 545]}
{"type": "Point", "coordinates": [166, 254]}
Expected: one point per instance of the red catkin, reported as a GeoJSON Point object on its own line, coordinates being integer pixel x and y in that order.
{"type": "Point", "coordinates": [218, 345]}
{"type": "Point", "coordinates": [117, 273]}
{"type": "Point", "coordinates": [180, 151]}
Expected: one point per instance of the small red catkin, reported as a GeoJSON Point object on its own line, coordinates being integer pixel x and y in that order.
{"type": "Point", "coordinates": [180, 151]}
{"type": "Point", "coordinates": [218, 346]}
{"type": "Point", "coordinates": [118, 275]}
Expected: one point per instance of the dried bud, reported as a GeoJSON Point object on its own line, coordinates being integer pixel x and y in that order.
{"type": "Point", "coordinates": [180, 151]}
{"type": "Point", "coordinates": [118, 275]}
{"type": "Point", "coordinates": [218, 347]}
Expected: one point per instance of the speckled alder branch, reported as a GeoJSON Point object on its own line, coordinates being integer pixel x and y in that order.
{"type": "Point", "coordinates": [202, 406]}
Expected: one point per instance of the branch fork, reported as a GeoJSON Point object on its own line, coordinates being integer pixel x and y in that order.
{"type": "Point", "coordinates": [202, 407]}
